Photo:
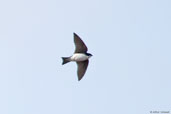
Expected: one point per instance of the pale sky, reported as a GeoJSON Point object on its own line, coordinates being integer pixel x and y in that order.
{"type": "Point", "coordinates": [129, 73]}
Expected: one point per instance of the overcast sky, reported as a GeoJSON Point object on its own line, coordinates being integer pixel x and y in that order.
{"type": "Point", "coordinates": [129, 73]}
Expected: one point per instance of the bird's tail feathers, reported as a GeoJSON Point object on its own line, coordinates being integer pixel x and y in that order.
{"type": "Point", "coordinates": [65, 60]}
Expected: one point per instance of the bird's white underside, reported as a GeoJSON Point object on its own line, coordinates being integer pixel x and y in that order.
{"type": "Point", "coordinates": [79, 57]}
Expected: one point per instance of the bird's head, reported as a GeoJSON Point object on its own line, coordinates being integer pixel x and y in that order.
{"type": "Point", "coordinates": [88, 54]}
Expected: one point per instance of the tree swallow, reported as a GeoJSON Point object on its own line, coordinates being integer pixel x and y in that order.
{"type": "Point", "coordinates": [80, 56]}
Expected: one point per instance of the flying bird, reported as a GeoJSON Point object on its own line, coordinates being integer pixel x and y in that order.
{"type": "Point", "coordinates": [80, 56]}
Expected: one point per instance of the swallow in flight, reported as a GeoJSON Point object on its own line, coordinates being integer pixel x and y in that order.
{"type": "Point", "coordinates": [80, 56]}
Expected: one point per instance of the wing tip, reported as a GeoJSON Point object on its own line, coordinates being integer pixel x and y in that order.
{"type": "Point", "coordinates": [75, 34]}
{"type": "Point", "coordinates": [79, 78]}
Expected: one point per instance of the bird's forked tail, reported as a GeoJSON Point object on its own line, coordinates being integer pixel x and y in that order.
{"type": "Point", "coordinates": [65, 60]}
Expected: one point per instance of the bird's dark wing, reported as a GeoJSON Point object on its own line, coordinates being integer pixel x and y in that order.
{"type": "Point", "coordinates": [82, 67]}
{"type": "Point", "coordinates": [80, 47]}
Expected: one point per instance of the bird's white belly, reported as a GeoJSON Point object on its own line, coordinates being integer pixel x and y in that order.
{"type": "Point", "coordinates": [79, 57]}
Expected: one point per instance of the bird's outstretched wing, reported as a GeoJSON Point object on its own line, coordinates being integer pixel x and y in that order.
{"type": "Point", "coordinates": [80, 47]}
{"type": "Point", "coordinates": [82, 67]}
